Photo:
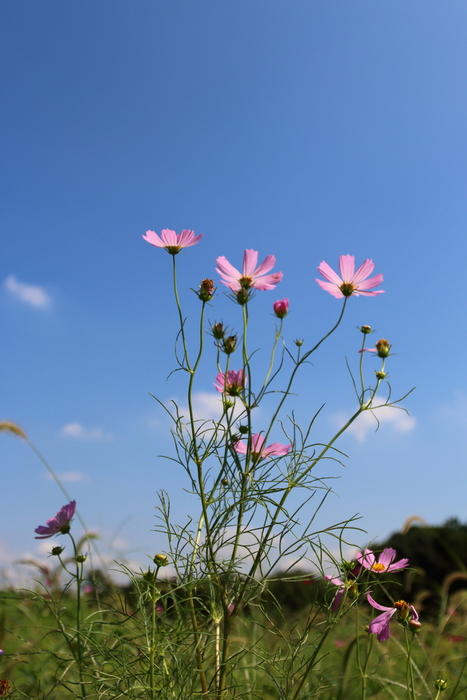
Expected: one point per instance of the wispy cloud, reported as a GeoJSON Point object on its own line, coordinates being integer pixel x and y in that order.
{"type": "Point", "coordinates": [30, 294]}
{"type": "Point", "coordinates": [367, 422]}
{"type": "Point", "coordinates": [68, 477]}
{"type": "Point", "coordinates": [78, 431]}
{"type": "Point", "coordinates": [208, 406]}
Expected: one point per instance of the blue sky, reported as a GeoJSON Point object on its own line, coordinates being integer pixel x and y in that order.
{"type": "Point", "coordinates": [306, 130]}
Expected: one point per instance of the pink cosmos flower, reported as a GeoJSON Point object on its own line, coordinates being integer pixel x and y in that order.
{"type": "Point", "coordinates": [350, 282]}
{"type": "Point", "coordinates": [171, 241]}
{"type": "Point", "coordinates": [233, 384]}
{"type": "Point", "coordinates": [258, 451]}
{"type": "Point", "coordinates": [384, 563]}
{"type": "Point", "coordinates": [251, 277]}
{"type": "Point", "coordinates": [380, 625]}
{"type": "Point", "coordinates": [281, 308]}
{"type": "Point", "coordinates": [340, 592]}
{"type": "Point", "coordinates": [58, 525]}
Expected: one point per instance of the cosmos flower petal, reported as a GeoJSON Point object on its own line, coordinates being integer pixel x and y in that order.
{"type": "Point", "coordinates": [227, 270]}
{"type": "Point", "coordinates": [367, 559]}
{"type": "Point", "coordinates": [331, 288]}
{"type": "Point", "coordinates": [268, 281]}
{"type": "Point", "coordinates": [370, 283]}
{"type": "Point", "coordinates": [152, 238]}
{"type": "Point", "coordinates": [169, 237]}
{"type": "Point", "coordinates": [398, 565]}
{"type": "Point", "coordinates": [347, 267]}
{"type": "Point", "coordinates": [376, 605]}
{"type": "Point", "coordinates": [250, 260]}
{"type": "Point", "coordinates": [387, 556]}
{"type": "Point", "coordinates": [364, 271]}
{"type": "Point", "coordinates": [328, 273]}
{"type": "Point", "coordinates": [277, 449]}
{"type": "Point", "coordinates": [267, 265]}
{"type": "Point", "coordinates": [380, 625]}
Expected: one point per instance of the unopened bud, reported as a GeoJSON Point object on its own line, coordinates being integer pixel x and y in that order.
{"type": "Point", "coordinates": [206, 290]}
{"type": "Point", "coordinates": [281, 308]}
{"type": "Point", "coordinates": [365, 329]}
{"type": "Point", "coordinates": [229, 344]}
{"type": "Point", "coordinates": [161, 560]}
{"type": "Point", "coordinates": [218, 330]}
{"type": "Point", "coordinates": [381, 375]}
{"type": "Point", "coordinates": [225, 482]}
{"type": "Point", "coordinates": [243, 429]}
{"type": "Point", "coordinates": [383, 347]}
{"type": "Point", "coordinates": [81, 558]}
{"type": "Point", "coordinates": [56, 551]}
{"type": "Point", "coordinates": [440, 684]}
{"type": "Point", "coordinates": [414, 625]}
{"type": "Point", "coordinates": [298, 342]}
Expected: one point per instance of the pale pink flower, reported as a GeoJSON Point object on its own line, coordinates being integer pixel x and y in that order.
{"type": "Point", "coordinates": [171, 241]}
{"type": "Point", "coordinates": [251, 277]}
{"type": "Point", "coordinates": [385, 561]}
{"type": "Point", "coordinates": [340, 591]}
{"type": "Point", "coordinates": [281, 308]}
{"type": "Point", "coordinates": [380, 625]}
{"type": "Point", "coordinates": [350, 282]}
{"type": "Point", "coordinates": [233, 384]}
{"type": "Point", "coordinates": [258, 451]}
{"type": "Point", "coordinates": [58, 525]}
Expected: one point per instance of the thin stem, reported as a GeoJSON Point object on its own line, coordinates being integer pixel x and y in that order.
{"type": "Point", "coordinates": [79, 578]}
{"type": "Point", "coordinates": [180, 315]}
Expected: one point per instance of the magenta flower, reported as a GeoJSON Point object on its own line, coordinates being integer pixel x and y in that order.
{"type": "Point", "coordinates": [340, 591]}
{"type": "Point", "coordinates": [251, 277]}
{"type": "Point", "coordinates": [350, 282]}
{"type": "Point", "coordinates": [384, 563]}
{"type": "Point", "coordinates": [59, 525]}
{"type": "Point", "coordinates": [233, 384]}
{"type": "Point", "coordinates": [258, 451]}
{"type": "Point", "coordinates": [380, 625]}
{"type": "Point", "coordinates": [171, 241]}
{"type": "Point", "coordinates": [281, 308]}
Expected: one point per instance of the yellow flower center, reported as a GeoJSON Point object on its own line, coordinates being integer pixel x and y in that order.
{"type": "Point", "coordinates": [245, 282]}
{"type": "Point", "coordinates": [347, 288]}
{"type": "Point", "coordinates": [378, 567]}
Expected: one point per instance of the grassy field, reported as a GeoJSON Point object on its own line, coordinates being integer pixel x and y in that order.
{"type": "Point", "coordinates": [270, 647]}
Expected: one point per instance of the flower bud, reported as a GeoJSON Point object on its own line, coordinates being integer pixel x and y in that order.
{"type": "Point", "coordinates": [281, 308]}
{"type": "Point", "coordinates": [298, 342]}
{"type": "Point", "coordinates": [81, 558]}
{"type": "Point", "coordinates": [218, 330]}
{"type": "Point", "coordinates": [381, 375]}
{"type": "Point", "coordinates": [414, 625]}
{"type": "Point", "coordinates": [243, 429]}
{"type": "Point", "coordinates": [229, 344]}
{"type": "Point", "coordinates": [440, 684]}
{"type": "Point", "coordinates": [56, 551]}
{"type": "Point", "coordinates": [225, 482]}
{"type": "Point", "coordinates": [365, 329]}
{"type": "Point", "coordinates": [206, 290]}
{"type": "Point", "coordinates": [161, 560]}
{"type": "Point", "coordinates": [383, 347]}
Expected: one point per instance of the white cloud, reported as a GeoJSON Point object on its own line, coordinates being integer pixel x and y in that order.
{"type": "Point", "coordinates": [208, 406]}
{"type": "Point", "coordinates": [68, 477]}
{"type": "Point", "coordinates": [367, 422]}
{"type": "Point", "coordinates": [76, 430]}
{"type": "Point", "coordinates": [28, 293]}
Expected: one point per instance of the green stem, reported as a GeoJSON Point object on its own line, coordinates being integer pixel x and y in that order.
{"type": "Point", "coordinates": [410, 680]}
{"type": "Point", "coordinates": [79, 578]}
{"type": "Point", "coordinates": [180, 315]}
